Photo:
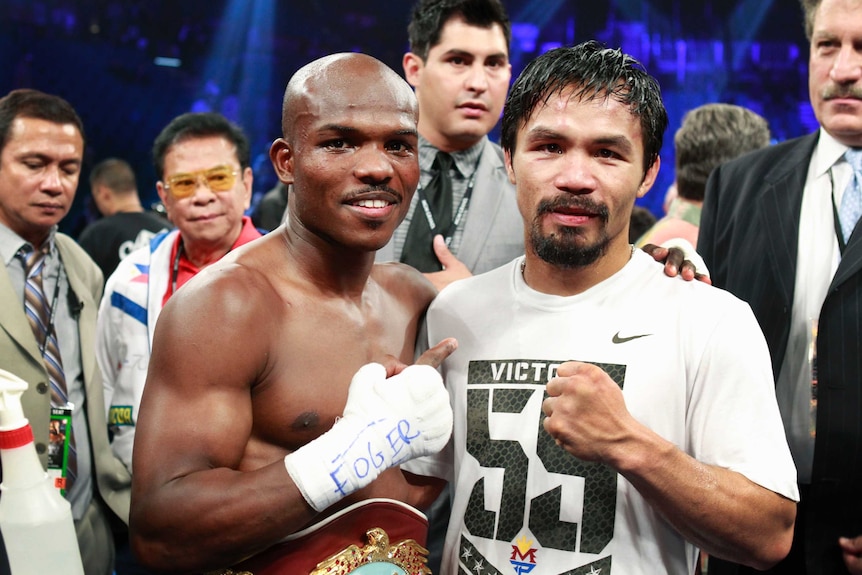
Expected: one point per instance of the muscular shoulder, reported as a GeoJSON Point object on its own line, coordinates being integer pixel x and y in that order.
{"type": "Point", "coordinates": [404, 283]}
{"type": "Point", "coordinates": [235, 289]}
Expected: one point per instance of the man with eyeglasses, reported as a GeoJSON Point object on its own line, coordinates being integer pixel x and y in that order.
{"type": "Point", "coordinates": [205, 183]}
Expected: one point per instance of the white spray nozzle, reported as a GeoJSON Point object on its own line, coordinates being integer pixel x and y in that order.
{"type": "Point", "coordinates": [11, 388]}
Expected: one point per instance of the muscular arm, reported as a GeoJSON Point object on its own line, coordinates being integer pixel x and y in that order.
{"type": "Point", "coordinates": [719, 510]}
{"type": "Point", "coordinates": [192, 506]}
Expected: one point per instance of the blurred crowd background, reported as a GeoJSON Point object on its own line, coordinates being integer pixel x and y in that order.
{"type": "Point", "coordinates": [129, 66]}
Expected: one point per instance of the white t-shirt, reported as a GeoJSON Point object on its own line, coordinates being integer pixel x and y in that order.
{"type": "Point", "coordinates": [693, 365]}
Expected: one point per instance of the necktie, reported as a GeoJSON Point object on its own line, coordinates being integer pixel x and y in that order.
{"type": "Point", "coordinates": [851, 201]}
{"type": "Point", "coordinates": [38, 311]}
{"type": "Point", "coordinates": [418, 249]}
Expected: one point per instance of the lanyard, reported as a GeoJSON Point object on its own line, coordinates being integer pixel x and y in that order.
{"type": "Point", "coordinates": [459, 213]}
{"type": "Point", "coordinates": [175, 270]}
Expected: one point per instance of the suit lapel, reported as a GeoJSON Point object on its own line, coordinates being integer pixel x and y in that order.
{"type": "Point", "coordinates": [851, 261]}
{"type": "Point", "coordinates": [779, 208]}
{"type": "Point", "coordinates": [14, 321]}
{"type": "Point", "coordinates": [484, 204]}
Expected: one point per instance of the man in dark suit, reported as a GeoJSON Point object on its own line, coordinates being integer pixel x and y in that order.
{"type": "Point", "coordinates": [41, 150]}
{"type": "Point", "coordinates": [773, 232]}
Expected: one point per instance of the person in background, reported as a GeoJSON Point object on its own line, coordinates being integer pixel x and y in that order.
{"type": "Point", "coordinates": [575, 449]}
{"type": "Point", "coordinates": [124, 225]}
{"type": "Point", "coordinates": [273, 422]}
{"type": "Point", "coordinates": [50, 290]}
{"type": "Point", "coordinates": [779, 230]}
{"type": "Point", "coordinates": [642, 220]}
{"type": "Point", "coordinates": [458, 65]}
{"type": "Point", "coordinates": [269, 212]}
{"type": "Point", "coordinates": [709, 135]}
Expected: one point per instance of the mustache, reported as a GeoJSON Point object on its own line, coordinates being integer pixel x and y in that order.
{"type": "Point", "coordinates": [580, 203]}
{"type": "Point", "coordinates": [842, 91]}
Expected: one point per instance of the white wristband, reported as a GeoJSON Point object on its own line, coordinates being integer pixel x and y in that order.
{"type": "Point", "coordinates": [386, 422]}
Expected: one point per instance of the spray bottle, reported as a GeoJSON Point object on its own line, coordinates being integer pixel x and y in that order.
{"type": "Point", "coordinates": [35, 519]}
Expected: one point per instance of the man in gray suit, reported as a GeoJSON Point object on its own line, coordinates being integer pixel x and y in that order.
{"type": "Point", "coordinates": [459, 67]}
{"type": "Point", "coordinates": [41, 150]}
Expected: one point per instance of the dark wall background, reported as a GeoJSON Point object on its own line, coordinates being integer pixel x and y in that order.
{"type": "Point", "coordinates": [129, 66]}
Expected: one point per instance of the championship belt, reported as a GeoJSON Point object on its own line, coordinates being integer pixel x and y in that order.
{"type": "Point", "coordinates": [371, 537]}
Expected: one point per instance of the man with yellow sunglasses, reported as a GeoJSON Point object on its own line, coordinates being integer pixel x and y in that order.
{"type": "Point", "coordinates": [205, 183]}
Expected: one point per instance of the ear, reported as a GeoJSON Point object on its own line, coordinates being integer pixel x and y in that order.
{"type": "Point", "coordinates": [413, 66]}
{"type": "Point", "coordinates": [164, 197]}
{"type": "Point", "coordinates": [649, 178]}
{"type": "Point", "coordinates": [247, 181]}
{"type": "Point", "coordinates": [507, 157]}
{"type": "Point", "coordinates": [281, 156]}
{"type": "Point", "coordinates": [102, 198]}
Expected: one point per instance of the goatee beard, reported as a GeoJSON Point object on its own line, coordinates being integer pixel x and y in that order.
{"type": "Point", "coordinates": [562, 248]}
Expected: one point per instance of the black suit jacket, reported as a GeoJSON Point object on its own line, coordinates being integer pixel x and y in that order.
{"type": "Point", "coordinates": [748, 238]}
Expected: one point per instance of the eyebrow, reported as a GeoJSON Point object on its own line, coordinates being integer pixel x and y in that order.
{"type": "Point", "coordinates": [336, 128]}
{"type": "Point", "coordinates": [620, 142]}
{"type": "Point", "coordinates": [542, 133]}
{"type": "Point", "coordinates": [465, 53]}
{"type": "Point", "coordinates": [341, 129]}
{"type": "Point", "coordinates": [34, 155]}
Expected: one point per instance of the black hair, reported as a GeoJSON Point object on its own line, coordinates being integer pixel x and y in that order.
{"type": "Point", "coordinates": [26, 103]}
{"type": "Point", "coordinates": [594, 72]}
{"type": "Point", "coordinates": [430, 16]}
{"type": "Point", "coordinates": [199, 125]}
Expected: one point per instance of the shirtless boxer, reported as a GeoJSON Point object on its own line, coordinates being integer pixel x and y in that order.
{"type": "Point", "coordinates": [252, 360]}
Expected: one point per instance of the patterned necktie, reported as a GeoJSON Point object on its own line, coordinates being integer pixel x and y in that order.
{"type": "Point", "coordinates": [418, 246]}
{"type": "Point", "coordinates": [851, 201]}
{"type": "Point", "coordinates": [38, 312]}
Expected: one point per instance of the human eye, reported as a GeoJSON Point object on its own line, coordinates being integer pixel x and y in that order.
{"type": "Point", "coordinates": [495, 63]}
{"type": "Point", "coordinates": [218, 177]}
{"type": "Point", "coordinates": [335, 144]}
{"type": "Point", "coordinates": [399, 147]}
{"type": "Point", "coordinates": [33, 163]}
{"type": "Point", "coordinates": [550, 147]}
{"type": "Point", "coordinates": [458, 61]}
{"type": "Point", "coordinates": [182, 181]}
{"type": "Point", "coordinates": [825, 44]}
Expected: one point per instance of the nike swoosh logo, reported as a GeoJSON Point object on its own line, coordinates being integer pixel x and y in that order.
{"type": "Point", "coordinates": [618, 339]}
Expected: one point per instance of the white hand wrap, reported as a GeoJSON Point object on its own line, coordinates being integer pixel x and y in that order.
{"type": "Point", "coordinates": [386, 422]}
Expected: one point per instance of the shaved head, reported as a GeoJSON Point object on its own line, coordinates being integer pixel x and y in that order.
{"type": "Point", "coordinates": [349, 76]}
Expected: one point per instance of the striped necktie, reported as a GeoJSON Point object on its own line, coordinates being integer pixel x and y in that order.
{"type": "Point", "coordinates": [38, 311]}
{"type": "Point", "coordinates": [851, 201]}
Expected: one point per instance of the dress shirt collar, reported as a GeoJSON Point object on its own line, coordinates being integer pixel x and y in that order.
{"type": "Point", "coordinates": [466, 161]}
{"type": "Point", "coordinates": [11, 243]}
{"type": "Point", "coordinates": [829, 152]}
